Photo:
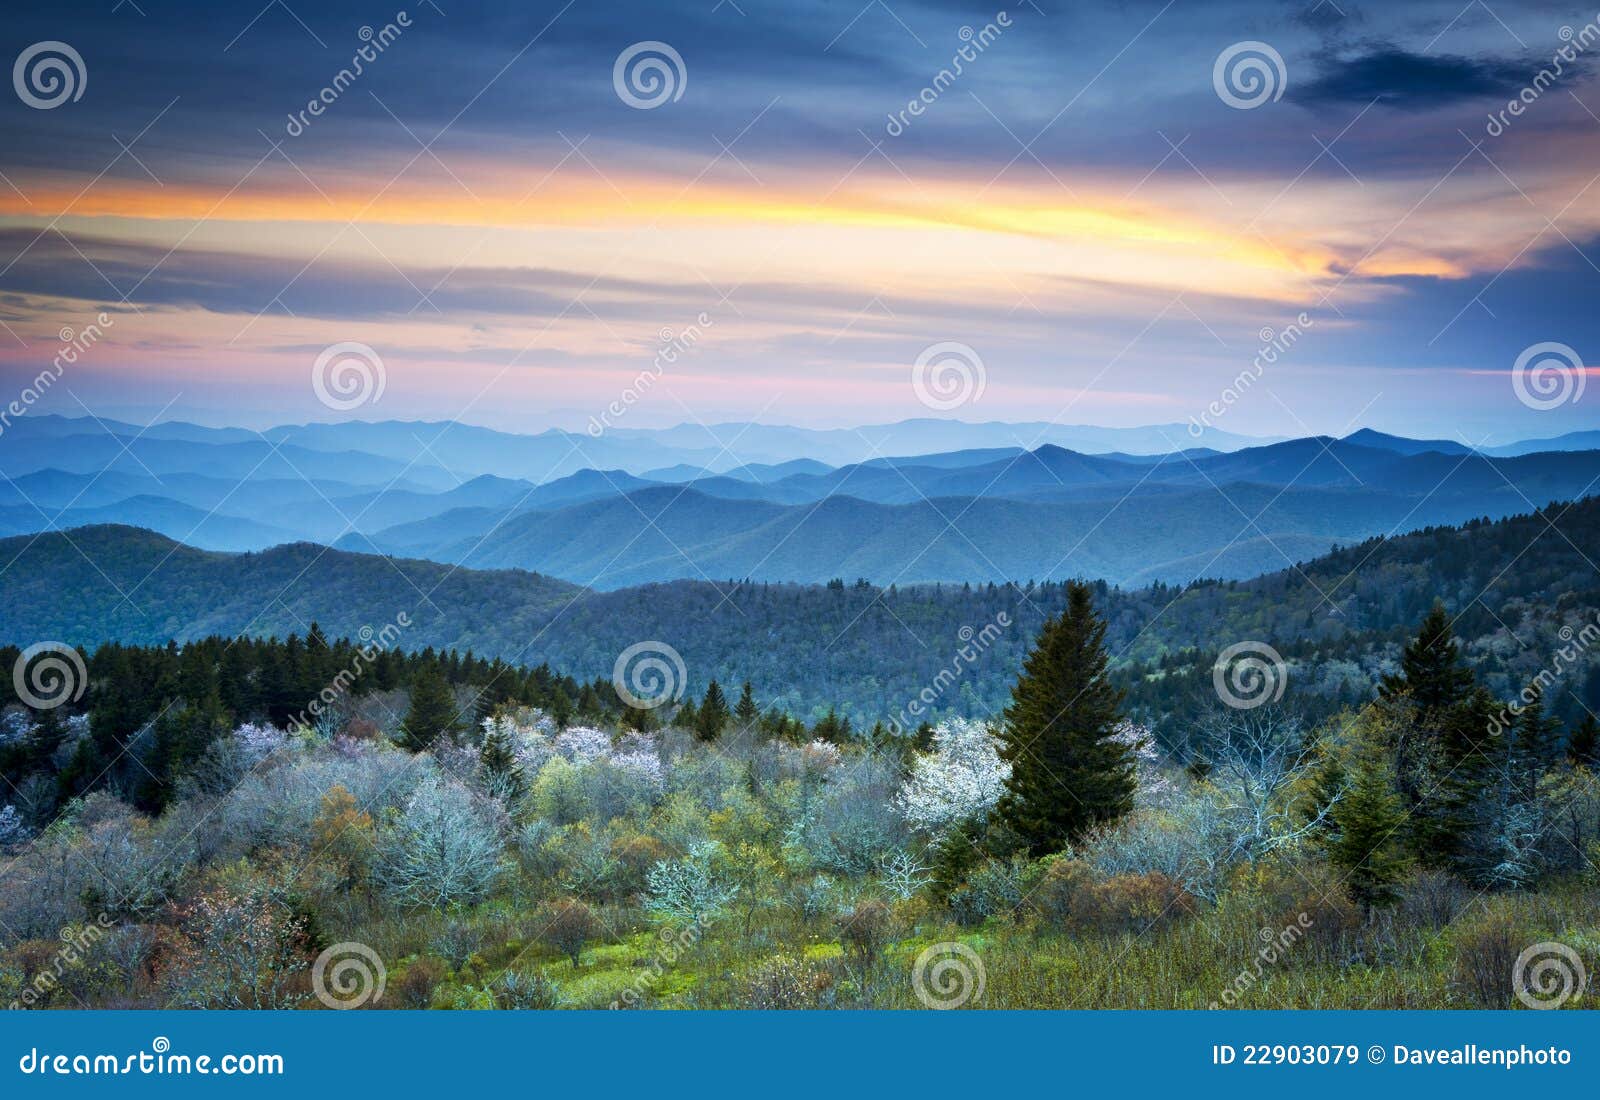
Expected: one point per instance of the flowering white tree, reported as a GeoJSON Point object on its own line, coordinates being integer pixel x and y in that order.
{"type": "Point", "coordinates": [583, 744]}
{"type": "Point", "coordinates": [256, 742]}
{"type": "Point", "coordinates": [1152, 784]}
{"type": "Point", "coordinates": [960, 780]}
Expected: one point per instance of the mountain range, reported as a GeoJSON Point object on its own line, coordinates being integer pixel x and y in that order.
{"type": "Point", "coordinates": [1519, 590]}
{"type": "Point", "coordinates": [637, 506]}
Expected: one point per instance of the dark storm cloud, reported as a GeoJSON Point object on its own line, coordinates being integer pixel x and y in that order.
{"type": "Point", "coordinates": [1409, 81]}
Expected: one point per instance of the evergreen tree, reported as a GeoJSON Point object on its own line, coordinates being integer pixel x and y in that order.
{"type": "Point", "coordinates": [1365, 842]}
{"type": "Point", "coordinates": [561, 707]}
{"type": "Point", "coordinates": [746, 713]}
{"type": "Point", "coordinates": [687, 717]}
{"type": "Point", "coordinates": [433, 709]}
{"type": "Point", "coordinates": [832, 728]}
{"type": "Point", "coordinates": [1068, 771]}
{"type": "Point", "coordinates": [1431, 673]}
{"type": "Point", "coordinates": [713, 714]}
{"type": "Point", "coordinates": [500, 764]}
{"type": "Point", "coordinates": [1535, 742]}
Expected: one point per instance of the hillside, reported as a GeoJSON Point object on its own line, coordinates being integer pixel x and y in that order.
{"type": "Point", "coordinates": [1513, 583]}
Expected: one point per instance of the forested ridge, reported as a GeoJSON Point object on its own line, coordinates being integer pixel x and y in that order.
{"type": "Point", "coordinates": [1511, 586]}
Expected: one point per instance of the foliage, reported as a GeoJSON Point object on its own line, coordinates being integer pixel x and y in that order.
{"type": "Point", "coordinates": [1069, 771]}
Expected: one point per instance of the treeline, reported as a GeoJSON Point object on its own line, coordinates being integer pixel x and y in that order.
{"type": "Point", "coordinates": [139, 720]}
{"type": "Point", "coordinates": [864, 651]}
{"type": "Point", "coordinates": [141, 717]}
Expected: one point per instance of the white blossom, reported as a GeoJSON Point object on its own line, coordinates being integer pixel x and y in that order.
{"type": "Point", "coordinates": [961, 779]}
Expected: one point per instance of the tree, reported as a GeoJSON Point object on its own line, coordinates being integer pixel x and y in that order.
{"type": "Point", "coordinates": [499, 762]}
{"type": "Point", "coordinates": [688, 889]}
{"type": "Point", "coordinates": [433, 710]}
{"type": "Point", "coordinates": [959, 781]}
{"type": "Point", "coordinates": [713, 713]}
{"type": "Point", "coordinates": [1535, 741]}
{"type": "Point", "coordinates": [566, 925]}
{"type": "Point", "coordinates": [1431, 672]}
{"type": "Point", "coordinates": [745, 712]}
{"type": "Point", "coordinates": [1365, 841]}
{"type": "Point", "coordinates": [1069, 771]}
{"type": "Point", "coordinates": [1267, 773]}
{"type": "Point", "coordinates": [443, 850]}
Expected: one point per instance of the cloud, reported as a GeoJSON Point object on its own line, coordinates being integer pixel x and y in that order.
{"type": "Point", "coordinates": [1409, 81]}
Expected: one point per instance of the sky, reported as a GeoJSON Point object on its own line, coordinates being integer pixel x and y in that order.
{"type": "Point", "coordinates": [512, 209]}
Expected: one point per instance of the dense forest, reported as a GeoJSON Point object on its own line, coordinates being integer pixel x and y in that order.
{"type": "Point", "coordinates": [216, 824]}
{"type": "Point", "coordinates": [1338, 621]}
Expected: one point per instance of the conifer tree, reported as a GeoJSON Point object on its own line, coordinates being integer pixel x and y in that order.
{"type": "Point", "coordinates": [1535, 742]}
{"type": "Point", "coordinates": [1431, 673]}
{"type": "Point", "coordinates": [1365, 843]}
{"type": "Point", "coordinates": [433, 710]}
{"type": "Point", "coordinates": [1068, 771]}
{"type": "Point", "coordinates": [500, 763]}
{"type": "Point", "coordinates": [746, 713]}
{"type": "Point", "coordinates": [713, 713]}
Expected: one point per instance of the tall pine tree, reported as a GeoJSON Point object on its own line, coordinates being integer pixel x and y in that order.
{"type": "Point", "coordinates": [1365, 837]}
{"type": "Point", "coordinates": [713, 714]}
{"type": "Point", "coordinates": [433, 710]}
{"type": "Point", "coordinates": [1068, 770]}
{"type": "Point", "coordinates": [745, 713]}
{"type": "Point", "coordinates": [1431, 673]}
